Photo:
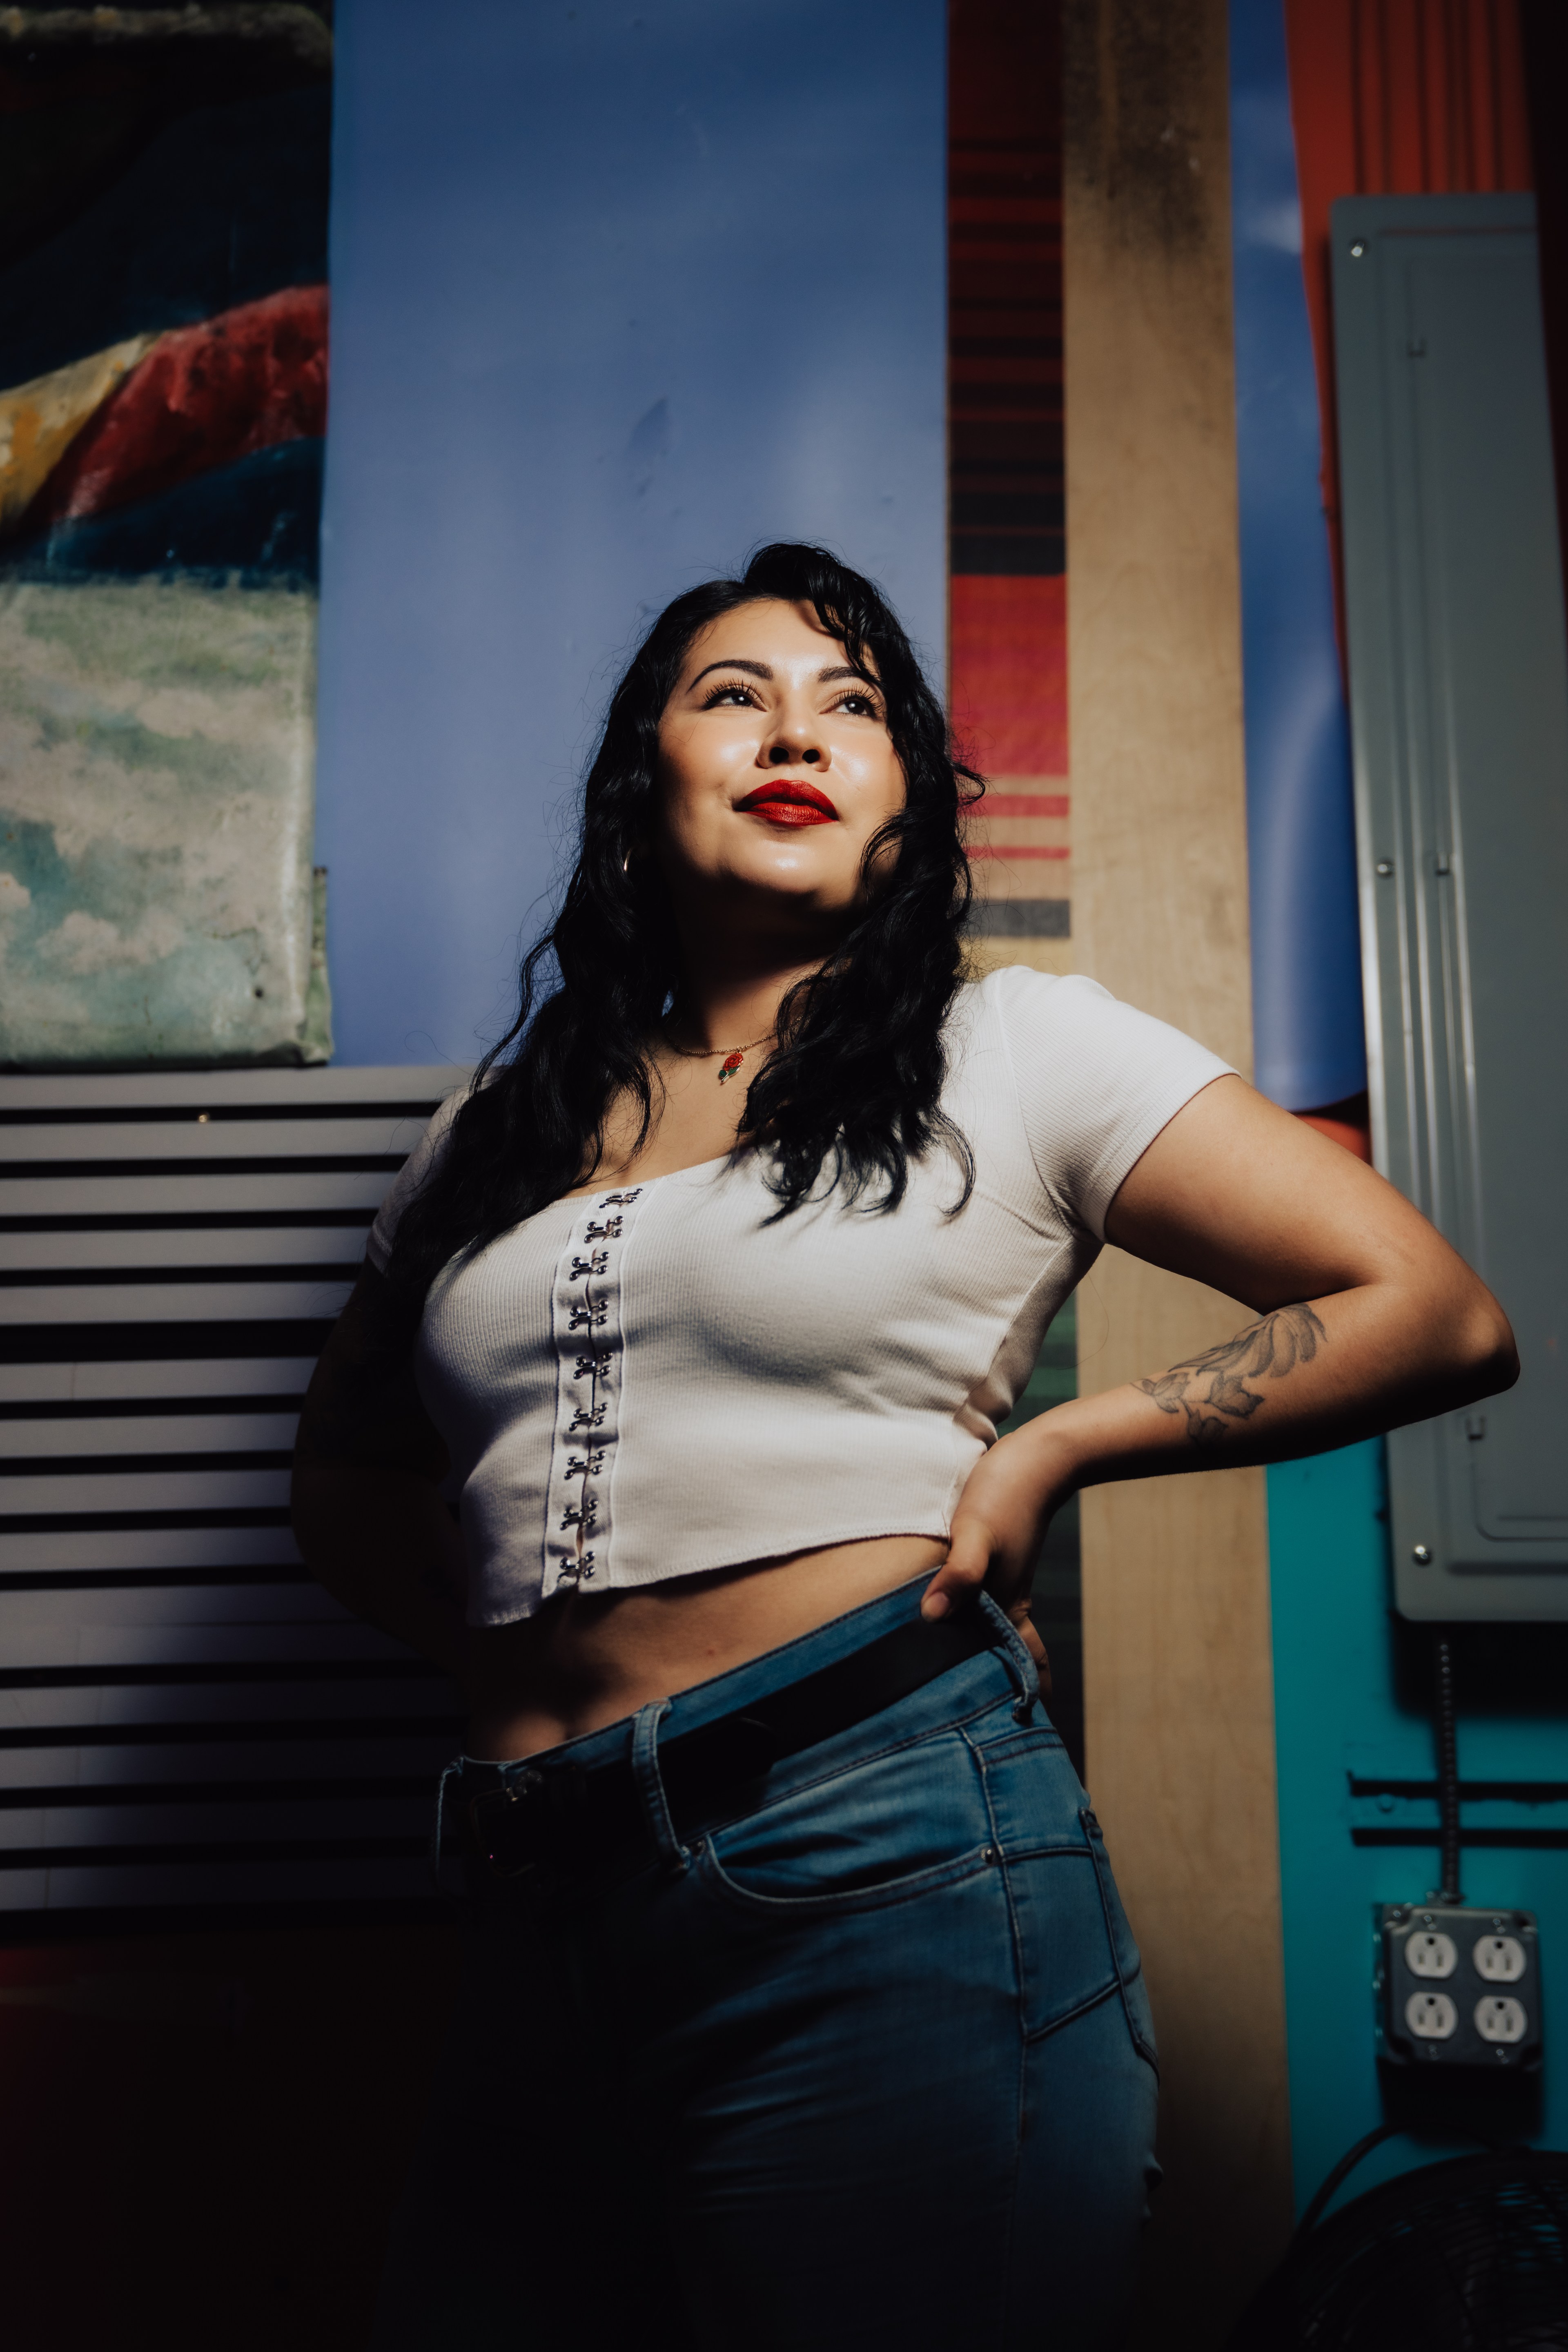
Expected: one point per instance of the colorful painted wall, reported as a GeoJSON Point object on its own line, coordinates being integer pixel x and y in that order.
{"type": "Point", "coordinates": [599, 327]}
{"type": "Point", "coordinates": [1329, 99]}
{"type": "Point", "coordinates": [163, 409]}
{"type": "Point", "coordinates": [1006, 515]}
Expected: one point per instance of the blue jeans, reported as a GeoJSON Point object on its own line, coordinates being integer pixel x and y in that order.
{"type": "Point", "coordinates": [869, 2066]}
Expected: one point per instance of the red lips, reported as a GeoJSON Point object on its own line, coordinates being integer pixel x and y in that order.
{"type": "Point", "coordinates": [787, 802]}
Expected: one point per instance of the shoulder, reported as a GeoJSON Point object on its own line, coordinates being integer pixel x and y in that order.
{"type": "Point", "coordinates": [1068, 1011]}
{"type": "Point", "coordinates": [1025, 1010]}
{"type": "Point", "coordinates": [437, 1140]}
{"type": "Point", "coordinates": [1011, 991]}
{"type": "Point", "coordinates": [423, 1160]}
{"type": "Point", "coordinates": [1094, 1079]}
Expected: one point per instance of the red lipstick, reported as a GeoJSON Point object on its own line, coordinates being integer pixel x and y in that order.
{"type": "Point", "coordinates": [786, 800]}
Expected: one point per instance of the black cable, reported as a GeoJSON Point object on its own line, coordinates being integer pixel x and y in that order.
{"type": "Point", "coordinates": [1352, 2157]}
{"type": "Point", "coordinates": [1347, 2163]}
{"type": "Point", "coordinates": [1447, 1769]}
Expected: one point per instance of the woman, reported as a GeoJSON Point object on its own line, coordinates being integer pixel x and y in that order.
{"type": "Point", "coordinates": [801, 2010]}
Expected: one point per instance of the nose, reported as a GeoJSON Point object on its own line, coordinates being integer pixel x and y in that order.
{"type": "Point", "coordinates": [794, 737]}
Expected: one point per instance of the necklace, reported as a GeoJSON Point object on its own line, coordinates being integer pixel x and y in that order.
{"type": "Point", "coordinates": [732, 1056]}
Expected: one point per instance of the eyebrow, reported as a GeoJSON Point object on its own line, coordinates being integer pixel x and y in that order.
{"type": "Point", "coordinates": [754, 669]}
{"type": "Point", "coordinates": [760, 669]}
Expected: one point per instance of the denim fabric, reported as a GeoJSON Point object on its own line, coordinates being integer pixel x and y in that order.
{"type": "Point", "coordinates": [867, 2064]}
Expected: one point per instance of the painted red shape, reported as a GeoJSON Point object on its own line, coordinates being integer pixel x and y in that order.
{"type": "Point", "coordinates": [1396, 98]}
{"type": "Point", "coordinates": [1010, 850]}
{"type": "Point", "coordinates": [204, 397]}
{"type": "Point", "coordinates": [999, 805]}
{"type": "Point", "coordinates": [1009, 672]}
{"type": "Point", "coordinates": [1347, 1123]}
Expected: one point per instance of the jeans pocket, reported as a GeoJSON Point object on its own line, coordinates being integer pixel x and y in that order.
{"type": "Point", "coordinates": [891, 1827]}
{"type": "Point", "coordinates": [1074, 1945]}
{"type": "Point", "coordinates": [1135, 1992]}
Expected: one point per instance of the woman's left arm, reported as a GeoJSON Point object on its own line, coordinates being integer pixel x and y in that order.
{"type": "Point", "coordinates": [1364, 1318]}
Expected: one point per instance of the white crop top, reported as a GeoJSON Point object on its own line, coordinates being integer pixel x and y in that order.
{"type": "Point", "coordinates": [645, 1382]}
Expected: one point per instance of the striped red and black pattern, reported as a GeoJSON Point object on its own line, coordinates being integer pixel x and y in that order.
{"type": "Point", "coordinates": [1007, 528]}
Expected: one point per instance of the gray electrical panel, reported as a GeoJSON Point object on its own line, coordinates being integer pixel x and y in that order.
{"type": "Point", "coordinates": [1458, 683]}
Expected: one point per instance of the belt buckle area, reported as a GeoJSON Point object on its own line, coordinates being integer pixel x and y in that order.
{"type": "Point", "coordinates": [505, 1824]}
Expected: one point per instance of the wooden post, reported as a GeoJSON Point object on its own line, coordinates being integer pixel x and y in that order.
{"type": "Point", "coordinates": [1179, 1686]}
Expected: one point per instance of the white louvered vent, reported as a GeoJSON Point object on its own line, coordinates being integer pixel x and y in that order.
{"type": "Point", "coordinates": [188, 1723]}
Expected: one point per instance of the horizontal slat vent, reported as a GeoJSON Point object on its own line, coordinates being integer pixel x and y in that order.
{"type": "Point", "coordinates": [187, 1720]}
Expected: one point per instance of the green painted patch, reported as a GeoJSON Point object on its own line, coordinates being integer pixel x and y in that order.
{"type": "Point", "coordinates": [157, 756]}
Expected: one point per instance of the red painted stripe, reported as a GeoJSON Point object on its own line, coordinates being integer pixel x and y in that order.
{"type": "Point", "coordinates": [203, 396]}
{"type": "Point", "coordinates": [1384, 101]}
{"type": "Point", "coordinates": [1025, 804]}
{"type": "Point", "coordinates": [1009, 672]}
{"type": "Point", "coordinates": [1033, 850]}
{"type": "Point", "coordinates": [1356, 1140]}
{"type": "Point", "coordinates": [1347, 1123]}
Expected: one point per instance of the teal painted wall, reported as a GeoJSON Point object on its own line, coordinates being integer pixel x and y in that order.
{"type": "Point", "coordinates": [1349, 1694]}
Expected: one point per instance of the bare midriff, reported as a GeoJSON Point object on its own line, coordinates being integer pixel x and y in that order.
{"type": "Point", "coordinates": [582, 1663]}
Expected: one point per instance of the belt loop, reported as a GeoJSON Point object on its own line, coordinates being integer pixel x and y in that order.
{"type": "Point", "coordinates": [650, 1782]}
{"type": "Point", "coordinates": [1014, 1655]}
{"type": "Point", "coordinates": [447, 1771]}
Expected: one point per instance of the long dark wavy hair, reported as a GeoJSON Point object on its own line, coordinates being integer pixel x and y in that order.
{"type": "Point", "coordinates": [853, 1085]}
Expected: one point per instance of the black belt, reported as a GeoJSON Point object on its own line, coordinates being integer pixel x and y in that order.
{"type": "Point", "coordinates": [538, 1814]}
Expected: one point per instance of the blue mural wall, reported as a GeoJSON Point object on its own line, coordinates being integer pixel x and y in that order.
{"type": "Point", "coordinates": [615, 297]}
{"type": "Point", "coordinates": [1309, 1042]}
{"type": "Point", "coordinates": [1349, 1682]}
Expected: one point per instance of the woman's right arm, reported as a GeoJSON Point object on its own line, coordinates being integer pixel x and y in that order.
{"type": "Point", "coordinates": [369, 1516]}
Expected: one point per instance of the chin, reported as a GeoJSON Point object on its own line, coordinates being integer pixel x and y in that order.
{"type": "Point", "coordinates": [791, 876]}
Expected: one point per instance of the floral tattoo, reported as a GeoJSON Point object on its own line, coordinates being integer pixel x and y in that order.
{"type": "Point", "coordinates": [1211, 1389]}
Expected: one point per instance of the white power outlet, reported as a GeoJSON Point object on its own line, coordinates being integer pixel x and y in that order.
{"type": "Point", "coordinates": [1500, 1959]}
{"type": "Point", "coordinates": [1500, 2018]}
{"type": "Point", "coordinates": [1432, 2017]}
{"type": "Point", "coordinates": [1456, 1987]}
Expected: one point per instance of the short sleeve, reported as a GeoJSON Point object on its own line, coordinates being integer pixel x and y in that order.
{"type": "Point", "coordinates": [410, 1176]}
{"type": "Point", "coordinates": [1096, 1081]}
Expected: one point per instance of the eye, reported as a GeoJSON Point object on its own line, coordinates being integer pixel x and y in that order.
{"type": "Point", "coordinates": [859, 704]}
{"type": "Point", "coordinates": [730, 691]}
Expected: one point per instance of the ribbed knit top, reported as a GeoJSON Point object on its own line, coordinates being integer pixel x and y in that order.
{"type": "Point", "coordinates": [650, 1381]}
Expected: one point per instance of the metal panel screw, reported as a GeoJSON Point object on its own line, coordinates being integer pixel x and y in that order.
{"type": "Point", "coordinates": [1358, 249]}
{"type": "Point", "coordinates": [1422, 1555]}
{"type": "Point", "coordinates": [1385, 866]}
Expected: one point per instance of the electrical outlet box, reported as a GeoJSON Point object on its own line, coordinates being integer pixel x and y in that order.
{"type": "Point", "coordinates": [1456, 1987]}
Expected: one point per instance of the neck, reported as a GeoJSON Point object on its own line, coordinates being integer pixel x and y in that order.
{"type": "Point", "coordinates": [731, 993]}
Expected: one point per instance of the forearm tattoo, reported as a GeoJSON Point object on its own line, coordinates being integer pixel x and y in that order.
{"type": "Point", "coordinates": [1211, 1389]}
